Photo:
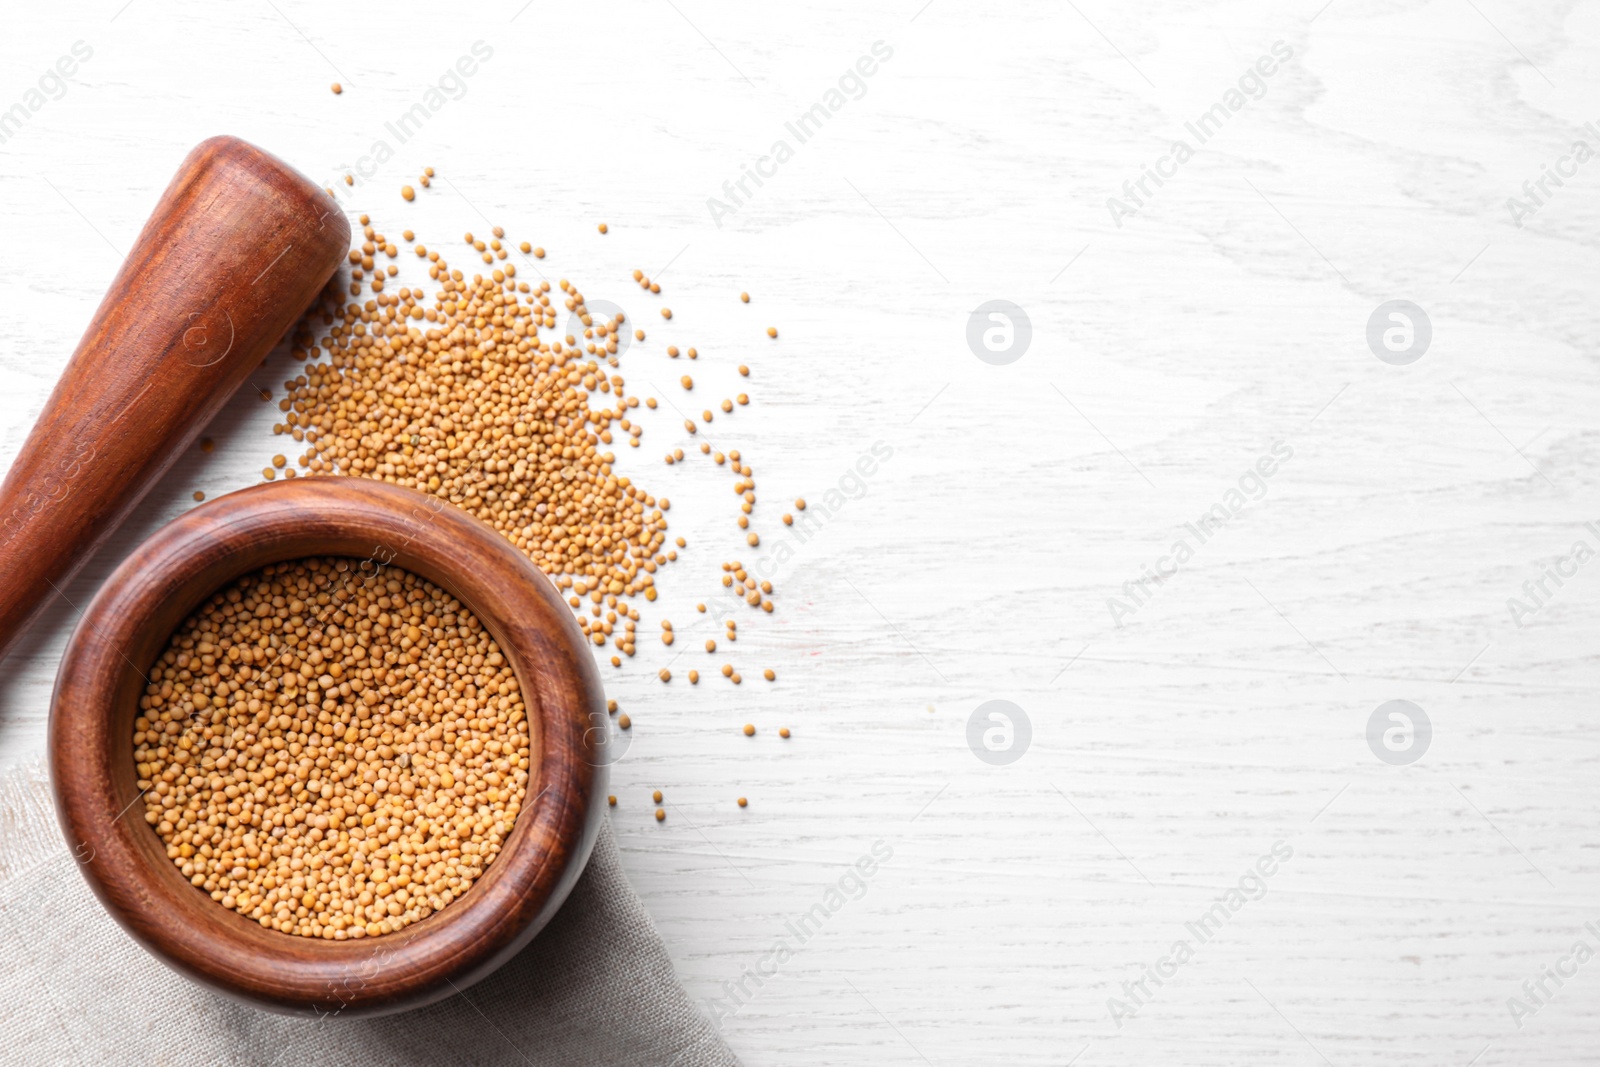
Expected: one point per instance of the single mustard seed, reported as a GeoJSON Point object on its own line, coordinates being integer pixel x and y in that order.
{"type": "Point", "coordinates": [603, 227]}
{"type": "Point", "coordinates": [623, 722]}
{"type": "Point", "coordinates": [768, 674]}
{"type": "Point", "coordinates": [612, 800]}
{"type": "Point", "coordinates": [666, 313]}
{"type": "Point", "coordinates": [744, 370]}
{"type": "Point", "coordinates": [661, 815]}
{"type": "Point", "coordinates": [743, 803]}
{"type": "Point", "coordinates": [198, 495]}
{"type": "Point", "coordinates": [666, 675]}
{"type": "Point", "coordinates": [337, 88]}
{"type": "Point", "coordinates": [694, 677]}
{"type": "Point", "coordinates": [744, 298]}
{"type": "Point", "coordinates": [656, 796]}
{"type": "Point", "coordinates": [800, 504]}
{"type": "Point", "coordinates": [783, 731]}
{"type": "Point", "coordinates": [408, 193]}
{"type": "Point", "coordinates": [749, 729]}
{"type": "Point", "coordinates": [772, 331]}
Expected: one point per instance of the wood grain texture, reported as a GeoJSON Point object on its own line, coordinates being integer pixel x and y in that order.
{"type": "Point", "coordinates": [237, 247]}
{"type": "Point", "coordinates": [1189, 338]}
{"type": "Point", "coordinates": [378, 526]}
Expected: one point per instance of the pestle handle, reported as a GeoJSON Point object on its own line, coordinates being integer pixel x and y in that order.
{"type": "Point", "coordinates": [237, 248]}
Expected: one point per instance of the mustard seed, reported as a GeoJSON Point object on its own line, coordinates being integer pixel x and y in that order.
{"type": "Point", "coordinates": [768, 674]}
{"type": "Point", "coordinates": [772, 331]}
{"type": "Point", "coordinates": [661, 815]}
{"type": "Point", "coordinates": [337, 88]}
{"type": "Point", "coordinates": [749, 729]}
{"type": "Point", "coordinates": [612, 800]}
{"type": "Point", "coordinates": [297, 776]}
{"type": "Point", "coordinates": [744, 298]}
{"type": "Point", "coordinates": [743, 803]}
{"type": "Point", "coordinates": [407, 193]}
{"type": "Point", "coordinates": [656, 796]}
{"type": "Point", "coordinates": [603, 227]}
{"type": "Point", "coordinates": [623, 722]}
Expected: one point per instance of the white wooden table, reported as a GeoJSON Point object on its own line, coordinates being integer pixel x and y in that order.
{"type": "Point", "coordinates": [1171, 348]}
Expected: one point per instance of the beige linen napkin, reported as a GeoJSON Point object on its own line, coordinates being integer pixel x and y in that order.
{"type": "Point", "coordinates": [594, 988]}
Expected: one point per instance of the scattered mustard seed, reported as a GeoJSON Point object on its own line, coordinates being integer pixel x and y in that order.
{"type": "Point", "coordinates": [408, 193]}
{"type": "Point", "coordinates": [749, 729]}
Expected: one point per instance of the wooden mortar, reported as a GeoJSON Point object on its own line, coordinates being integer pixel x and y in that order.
{"type": "Point", "coordinates": [129, 624]}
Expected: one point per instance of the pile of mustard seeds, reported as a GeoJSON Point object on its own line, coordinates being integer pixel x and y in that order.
{"type": "Point", "coordinates": [479, 396]}
{"type": "Point", "coordinates": [332, 751]}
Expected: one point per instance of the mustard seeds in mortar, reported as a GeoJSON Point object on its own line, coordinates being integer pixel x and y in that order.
{"type": "Point", "coordinates": [331, 752]}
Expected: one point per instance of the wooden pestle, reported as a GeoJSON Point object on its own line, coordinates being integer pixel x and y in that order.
{"type": "Point", "coordinates": [237, 248]}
